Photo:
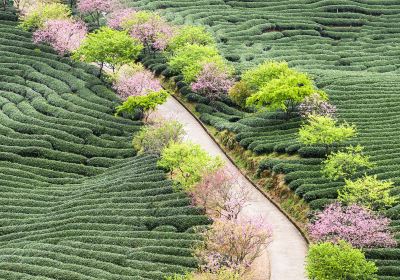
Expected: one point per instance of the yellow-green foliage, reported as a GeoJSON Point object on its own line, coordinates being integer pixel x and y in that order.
{"type": "Point", "coordinates": [327, 261]}
{"type": "Point", "coordinates": [187, 163]}
{"type": "Point", "coordinates": [260, 75]}
{"type": "Point", "coordinates": [325, 131]}
{"type": "Point", "coordinates": [144, 103]}
{"type": "Point", "coordinates": [368, 191]}
{"type": "Point", "coordinates": [36, 17]}
{"type": "Point", "coordinates": [190, 34]}
{"type": "Point", "coordinates": [345, 164]}
{"type": "Point", "coordinates": [189, 60]}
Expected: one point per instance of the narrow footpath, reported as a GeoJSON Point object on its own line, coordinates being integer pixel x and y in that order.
{"type": "Point", "coordinates": [284, 258]}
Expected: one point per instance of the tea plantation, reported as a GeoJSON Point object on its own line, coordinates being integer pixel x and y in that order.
{"type": "Point", "coordinates": [76, 203]}
{"type": "Point", "coordinates": [351, 48]}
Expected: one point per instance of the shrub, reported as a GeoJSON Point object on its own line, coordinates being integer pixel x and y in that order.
{"type": "Point", "coordinates": [262, 74]}
{"type": "Point", "coordinates": [189, 60]}
{"type": "Point", "coordinates": [36, 17]}
{"type": "Point", "coordinates": [153, 139]}
{"type": "Point", "coordinates": [145, 104]}
{"type": "Point", "coordinates": [354, 224]}
{"type": "Point", "coordinates": [138, 83]}
{"type": "Point", "coordinates": [239, 92]}
{"type": "Point", "coordinates": [344, 164]}
{"type": "Point", "coordinates": [189, 34]}
{"type": "Point", "coordinates": [116, 18]}
{"type": "Point", "coordinates": [220, 194]}
{"type": "Point", "coordinates": [150, 29]}
{"type": "Point", "coordinates": [212, 81]}
{"type": "Point", "coordinates": [221, 274]}
{"type": "Point", "coordinates": [108, 46]}
{"type": "Point", "coordinates": [369, 192]}
{"type": "Point", "coordinates": [282, 93]}
{"type": "Point", "coordinates": [187, 164]}
{"type": "Point", "coordinates": [64, 35]}
{"type": "Point", "coordinates": [234, 244]}
{"type": "Point", "coordinates": [95, 8]}
{"type": "Point", "coordinates": [325, 131]}
{"type": "Point", "coordinates": [340, 261]}
{"type": "Point", "coordinates": [315, 104]}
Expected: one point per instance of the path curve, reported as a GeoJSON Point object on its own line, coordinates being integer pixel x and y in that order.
{"type": "Point", "coordinates": [286, 254]}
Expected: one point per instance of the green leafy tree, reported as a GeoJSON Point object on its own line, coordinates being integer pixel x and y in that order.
{"type": "Point", "coordinates": [283, 93]}
{"type": "Point", "coordinates": [37, 16]}
{"type": "Point", "coordinates": [187, 163]}
{"type": "Point", "coordinates": [327, 261]}
{"type": "Point", "coordinates": [108, 46]}
{"type": "Point", "coordinates": [368, 191]}
{"type": "Point", "coordinates": [189, 60]}
{"type": "Point", "coordinates": [345, 164]}
{"type": "Point", "coordinates": [144, 104]}
{"type": "Point", "coordinates": [153, 139]}
{"type": "Point", "coordinates": [239, 92]}
{"type": "Point", "coordinates": [190, 34]}
{"type": "Point", "coordinates": [325, 131]}
{"type": "Point", "coordinates": [262, 74]}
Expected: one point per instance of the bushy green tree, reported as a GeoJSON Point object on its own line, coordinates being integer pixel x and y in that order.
{"type": "Point", "coordinates": [325, 131]}
{"type": "Point", "coordinates": [190, 34]}
{"type": "Point", "coordinates": [37, 16]}
{"type": "Point", "coordinates": [344, 164]}
{"type": "Point", "coordinates": [108, 46]}
{"type": "Point", "coordinates": [189, 60]}
{"type": "Point", "coordinates": [283, 93]}
{"type": "Point", "coordinates": [239, 92]}
{"type": "Point", "coordinates": [153, 139]}
{"type": "Point", "coordinates": [187, 162]}
{"type": "Point", "coordinates": [262, 74]}
{"type": "Point", "coordinates": [368, 191]}
{"type": "Point", "coordinates": [145, 104]}
{"type": "Point", "coordinates": [326, 261]}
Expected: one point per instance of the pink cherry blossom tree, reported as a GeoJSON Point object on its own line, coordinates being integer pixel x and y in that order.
{"type": "Point", "coordinates": [151, 29]}
{"type": "Point", "coordinates": [64, 35]}
{"type": "Point", "coordinates": [233, 244]}
{"type": "Point", "coordinates": [136, 84]}
{"type": "Point", "coordinates": [357, 225]}
{"type": "Point", "coordinates": [116, 18]}
{"type": "Point", "coordinates": [220, 194]}
{"type": "Point", "coordinates": [212, 81]}
{"type": "Point", "coordinates": [96, 8]}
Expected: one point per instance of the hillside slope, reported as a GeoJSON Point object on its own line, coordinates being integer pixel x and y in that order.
{"type": "Point", "coordinates": [75, 202]}
{"type": "Point", "coordinates": [351, 48]}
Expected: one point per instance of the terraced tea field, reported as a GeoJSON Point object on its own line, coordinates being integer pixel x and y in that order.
{"type": "Point", "coordinates": [75, 201]}
{"type": "Point", "coordinates": [352, 48]}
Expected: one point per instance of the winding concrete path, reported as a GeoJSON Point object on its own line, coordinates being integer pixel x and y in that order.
{"type": "Point", "coordinates": [284, 258]}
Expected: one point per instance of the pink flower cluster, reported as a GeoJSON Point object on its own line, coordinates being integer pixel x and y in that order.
{"type": "Point", "coordinates": [64, 35]}
{"type": "Point", "coordinates": [154, 33]}
{"type": "Point", "coordinates": [99, 6]}
{"type": "Point", "coordinates": [359, 226]}
{"type": "Point", "coordinates": [234, 243]}
{"type": "Point", "coordinates": [212, 81]}
{"type": "Point", "coordinates": [140, 83]}
{"type": "Point", "coordinates": [116, 18]}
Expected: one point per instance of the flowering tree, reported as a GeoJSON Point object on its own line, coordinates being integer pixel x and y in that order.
{"type": "Point", "coordinates": [220, 194]}
{"type": "Point", "coordinates": [138, 83]}
{"type": "Point", "coordinates": [116, 18]}
{"type": "Point", "coordinates": [64, 35]}
{"type": "Point", "coordinates": [95, 8]}
{"type": "Point", "coordinates": [357, 225]}
{"type": "Point", "coordinates": [315, 104]}
{"type": "Point", "coordinates": [233, 243]}
{"type": "Point", "coordinates": [212, 81]}
{"type": "Point", "coordinates": [149, 28]}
